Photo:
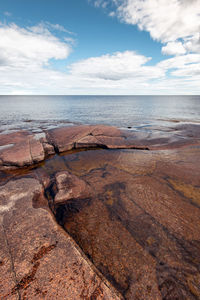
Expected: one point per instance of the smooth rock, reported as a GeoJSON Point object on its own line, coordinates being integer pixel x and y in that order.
{"type": "Point", "coordinates": [88, 142]}
{"type": "Point", "coordinates": [21, 149]}
{"type": "Point", "coordinates": [18, 155]}
{"type": "Point", "coordinates": [68, 138]}
{"type": "Point", "coordinates": [70, 187]}
{"type": "Point", "coordinates": [13, 138]}
{"type": "Point", "coordinates": [38, 260]}
{"type": "Point", "coordinates": [37, 151]}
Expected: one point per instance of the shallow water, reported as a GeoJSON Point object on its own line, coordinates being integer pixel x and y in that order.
{"type": "Point", "coordinates": [141, 225]}
{"type": "Point", "coordinates": [140, 112]}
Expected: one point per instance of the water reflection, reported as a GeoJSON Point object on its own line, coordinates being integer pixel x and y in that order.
{"type": "Point", "coordinates": [140, 227]}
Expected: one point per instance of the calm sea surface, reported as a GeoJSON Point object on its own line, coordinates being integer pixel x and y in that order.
{"type": "Point", "coordinates": [139, 112]}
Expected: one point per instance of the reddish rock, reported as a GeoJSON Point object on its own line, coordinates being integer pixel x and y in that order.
{"type": "Point", "coordinates": [24, 153]}
{"type": "Point", "coordinates": [38, 260]}
{"type": "Point", "coordinates": [70, 187]}
{"type": "Point", "coordinates": [21, 149]}
{"type": "Point", "coordinates": [64, 138]}
{"type": "Point", "coordinates": [68, 138]}
{"type": "Point", "coordinates": [13, 138]}
{"type": "Point", "coordinates": [76, 137]}
{"type": "Point", "coordinates": [88, 141]}
{"type": "Point", "coordinates": [106, 131]}
{"type": "Point", "coordinates": [48, 149]}
{"type": "Point", "coordinates": [18, 155]}
{"type": "Point", "coordinates": [113, 142]}
{"type": "Point", "coordinates": [141, 227]}
{"type": "Point", "coordinates": [36, 150]}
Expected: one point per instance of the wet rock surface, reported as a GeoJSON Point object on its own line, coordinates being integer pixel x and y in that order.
{"type": "Point", "coordinates": [38, 259]}
{"type": "Point", "coordinates": [140, 229]}
{"type": "Point", "coordinates": [22, 149]}
{"type": "Point", "coordinates": [130, 219]}
{"type": "Point", "coordinates": [70, 187]}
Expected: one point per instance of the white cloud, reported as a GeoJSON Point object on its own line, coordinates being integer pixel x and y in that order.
{"type": "Point", "coordinates": [25, 68]}
{"type": "Point", "coordinates": [129, 73]}
{"type": "Point", "coordinates": [99, 3]}
{"type": "Point", "coordinates": [174, 48]}
{"type": "Point", "coordinates": [24, 48]}
{"type": "Point", "coordinates": [166, 21]}
{"type": "Point", "coordinates": [25, 59]}
{"type": "Point", "coordinates": [192, 44]}
{"type": "Point", "coordinates": [179, 62]}
{"type": "Point", "coordinates": [117, 66]}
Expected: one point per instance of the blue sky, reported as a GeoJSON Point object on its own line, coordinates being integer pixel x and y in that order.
{"type": "Point", "coordinates": [99, 47]}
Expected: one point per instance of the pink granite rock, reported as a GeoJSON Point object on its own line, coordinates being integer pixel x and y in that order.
{"type": "Point", "coordinates": [18, 155]}
{"type": "Point", "coordinates": [64, 138]}
{"type": "Point", "coordinates": [38, 260]}
{"type": "Point", "coordinates": [22, 149]}
{"type": "Point", "coordinates": [70, 187]}
{"type": "Point", "coordinates": [67, 138]}
{"type": "Point", "coordinates": [36, 150]}
{"type": "Point", "coordinates": [13, 138]}
{"type": "Point", "coordinates": [88, 141]}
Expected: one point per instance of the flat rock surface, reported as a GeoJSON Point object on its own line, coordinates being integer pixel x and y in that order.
{"type": "Point", "coordinates": [38, 260]}
{"type": "Point", "coordinates": [141, 228]}
{"type": "Point", "coordinates": [22, 149]}
{"type": "Point", "coordinates": [87, 136]}
{"type": "Point", "coordinates": [70, 187]}
{"type": "Point", "coordinates": [130, 219]}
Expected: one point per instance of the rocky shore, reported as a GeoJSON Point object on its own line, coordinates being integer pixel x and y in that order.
{"type": "Point", "coordinates": [118, 221]}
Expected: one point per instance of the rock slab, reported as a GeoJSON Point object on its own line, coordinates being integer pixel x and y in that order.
{"type": "Point", "coordinates": [38, 260]}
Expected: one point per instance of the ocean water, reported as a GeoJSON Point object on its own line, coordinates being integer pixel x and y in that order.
{"type": "Point", "coordinates": [138, 112]}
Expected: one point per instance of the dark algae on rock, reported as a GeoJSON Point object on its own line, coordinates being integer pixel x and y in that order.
{"type": "Point", "coordinates": [113, 222]}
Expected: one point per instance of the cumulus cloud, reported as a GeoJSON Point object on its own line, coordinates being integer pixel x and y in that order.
{"type": "Point", "coordinates": [116, 66]}
{"type": "Point", "coordinates": [21, 47]}
{"type": "Point", "coordinates": [166, 21]}
{"type": "Point", "coordinates": [129, 73]}
{"type": "Point", "coordinates": [25, 58]}
{"type": "Point", "coordinates": [26, 67]}
{"type": "Point", "coordinates": [174, 48]}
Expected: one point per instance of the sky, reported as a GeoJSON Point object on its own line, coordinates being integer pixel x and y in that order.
{"type": "Point", "coordinates": [99, 47]}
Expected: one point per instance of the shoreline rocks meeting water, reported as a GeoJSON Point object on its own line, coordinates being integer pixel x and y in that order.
{"type": "Point", "coordinates": [117, 223]}
{"type": "Point", "coordinates": [23, 148]}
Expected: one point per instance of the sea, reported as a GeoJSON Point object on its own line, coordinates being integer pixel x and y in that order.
{"type": "Point", "coordinates": [38, 113]}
